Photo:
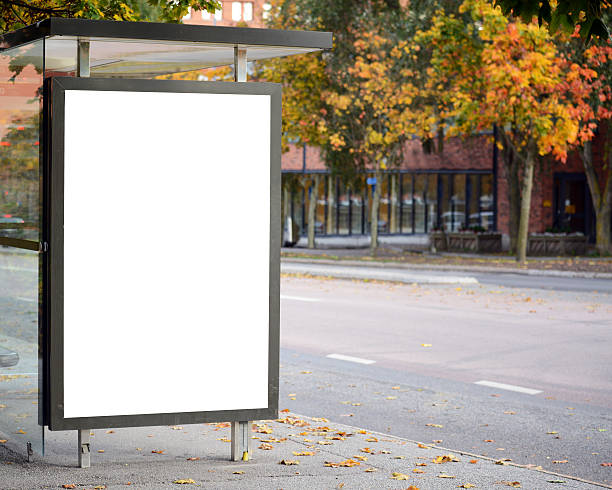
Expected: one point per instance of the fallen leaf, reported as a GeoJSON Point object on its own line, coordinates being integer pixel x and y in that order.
{"type": "Point", "coordinates": [444, 475]}
{"type": "Point", "coordinates": [422, 446]}
{"type": "Point", "coordinates": [447, 458]}
{"type": "Point", "coordinates": [285, 410]}
{"type": "Point", "coordinates": [360, 458]}
{"type": "Point", "coordinates": [344, 464]}
{"type": "Point", "coordinates": [158, 451]}
{"type": "Point", "coordinates": [238, 472]}
{"type": "Point", "coordinates": [395, 387]}
{"type": "Point", "coordinates": [434, 425]}
{"type": "Point", "coordinates": [556, 481]}
{"type": "Point", "coordinates": [110, 431]}
{"type": "Point", "coordinates": [306, 372]}
{"type": "Point", "coordinates": [466, 485]}
{"type": "Point", "coordinates": [304, 453]}
{"type": "Point", "coordinates": [391, 398]}
{"type": "Point", "coordinates": [513, 484]}
{"type": "Point", "coordinates": [3, 441]}
{"type": "Point", "coordinates": [510, 412]}
{"type": "Point", "coordinates": [371, 439]}
{"type": "Point", "coordinates": [602, 464]}
{"type": "Point", "coordinates": [370, 470]}
{"type": "Point", "coordinates": [473, 461]}
{"type": "Point", "coordinates": [289, 462]}
{"type": "Point", "coordinates": [319, 419]}
{"type": "Point", "coordinates": [552, 432]}
{"type": "Point", "coordinates": [417, 470]}
{"type": "Point", "coordinates": [184, 481]}
{"type": "Point", "coordinates": [176, 427]}
{"type": "Point", "coordinates": [291, 394]}
{"type": "Point", "coordinates": [99, 487]}
{"type": "Point", "coordinates": [488, 440]}
{"type": "Point", "coordinates": [437, 441]}
{"type": "Point", "coordinates": [21, 431]}
{"type": "Point", "coordinates": [367, 450]}
{"type": "Point", "coordinates": [421, 464]}
{"type": "Point", "coordinates": [68, 485]}
{"type": "Point", "coordinates": [426, 345]}
{"type": "Point", "coordinates": [224, 439]}
{"type": "Point", "coordinates": [325, 443]}
{"type": "Point", "coordinates": [561, 461]}
{"type": "Point", "coordinates": [265, 446]}
{"type": "Point", "coordinates": [100, 450]}
{"type": "Point", "coordinates": [399, 476]}
{"type": "Point", "coordinates": [193, 459]}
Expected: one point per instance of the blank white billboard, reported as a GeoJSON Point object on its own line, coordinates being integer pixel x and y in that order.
{"type": "Point", "coordinates": [166, 252]}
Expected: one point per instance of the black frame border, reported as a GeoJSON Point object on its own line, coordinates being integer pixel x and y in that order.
{"type": "Point", "coordinates": [53, 282]}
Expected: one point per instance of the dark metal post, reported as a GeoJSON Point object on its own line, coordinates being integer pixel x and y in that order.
{"type": "Point", "coordinates": [495, 161]}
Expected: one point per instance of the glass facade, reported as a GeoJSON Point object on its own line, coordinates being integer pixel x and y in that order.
{"type": "Point", "coordinates": [20, 227]}
{"type": "Point", "coordinates": [410, 202]}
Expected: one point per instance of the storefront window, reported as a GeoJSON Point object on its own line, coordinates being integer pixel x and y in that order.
{"type": "Point", "coordinates": [486, 202]}
{"type": "Point", "coordinates": [458, 202]}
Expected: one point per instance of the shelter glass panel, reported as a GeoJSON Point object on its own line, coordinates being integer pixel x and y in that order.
{"type": "Point", "coordinates": [384, 209]}
{"type": "Point", "coordinates": [357, 211]}
{"type": "Point", "coordinates": [420, 202]}
{"type": "Point", "coordinates": [320, 210]}
{"type": "Point", "coordinates": [20, 227]}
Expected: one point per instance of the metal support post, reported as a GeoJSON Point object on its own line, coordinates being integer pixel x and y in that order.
{"type": "Point", "coordinates": [83, 66]}
{"type": "Point", "coordinates": [241, 441]}
{"type": "Point", "coordinates": [84, 449]}
{"type": "Point", "coordinates": [84, 436]}
{"type": "Point", "coordinates": [240, 64]}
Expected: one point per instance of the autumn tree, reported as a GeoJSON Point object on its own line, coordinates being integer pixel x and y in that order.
{"type": "Point", "coordinates": [590, 88]}
{"type": "Point", "coordinates": [15, 14]}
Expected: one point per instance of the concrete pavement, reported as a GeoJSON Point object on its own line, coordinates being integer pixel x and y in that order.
{"type": "Point", "coordinates": [328, 455]}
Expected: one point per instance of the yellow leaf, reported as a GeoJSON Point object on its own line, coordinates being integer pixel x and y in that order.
{"type": "Point", "coordinates": [184, 481]}
{"type": "Point", "coordinates": [399, 476]}
{"type": "Point", "coordinates": [426, 345]}
{"type": "Point", "coordinates": [304, 453]}
{"type": "Point", "coordinates": [238, 472]}
{"type": "Point", "coordinates": [371, 470]}
{"type": "Point", "coordinates": [443, 475]}
{"type": "Point", "coordinates": [434, 425]}
{"type": "Point", "coordinates": [289, 462]}
{"type": "Point", "coordinates": [417, 470]}
{"type": "Point", "coordinates": [21, 431]}
{"type": "Point", "coordinates": [466, 485]}
{"type": "Point", "coordinates": [391, 398]}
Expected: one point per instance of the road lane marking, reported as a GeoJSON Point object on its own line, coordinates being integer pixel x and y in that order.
{"type": "Point", "coordinates": [342, 357]}
{"type": "Point", "coordinates": [502, 386]}
{"type": "Point", "coordinates": [29, 300]}
{"type": "Point", "coordinates": [299, 298]}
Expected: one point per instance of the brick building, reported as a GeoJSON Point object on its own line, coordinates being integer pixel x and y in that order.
{"type": "Point", "coordinates": [232, 13]}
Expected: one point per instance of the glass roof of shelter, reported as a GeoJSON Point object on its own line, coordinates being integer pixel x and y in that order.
{"type": "Point", "coordinates": [142, 49]}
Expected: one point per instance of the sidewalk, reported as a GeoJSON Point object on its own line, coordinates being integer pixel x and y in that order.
{"type": "Point", "coordinates": [579, 267]}
{"type": "Point", "coordinates": [319, 454]}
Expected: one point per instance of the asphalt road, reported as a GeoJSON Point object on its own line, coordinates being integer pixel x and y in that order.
{"type": "Point", "coordinates": [431, 344]}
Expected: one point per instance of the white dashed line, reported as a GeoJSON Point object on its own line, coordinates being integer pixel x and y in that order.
{"type": "Point", "coordinates": [502, 386]}
{"type": "Point", "coordinates": [342, 357]}
{"type": "Point", "coordinates": [299, 298]}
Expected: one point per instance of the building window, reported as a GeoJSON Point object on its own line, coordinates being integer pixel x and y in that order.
{"type": "Point", "coordinates": [207, 15]}
{"type": "Point", "coordinates": [266, 10]}
{"type": "Point", "coordinates": [247, 11]}
{"type": "Point", "coordinates": [236, 10]}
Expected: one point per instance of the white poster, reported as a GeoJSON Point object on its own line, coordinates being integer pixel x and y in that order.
{"type": "Point", "coordinates": [166, 259]}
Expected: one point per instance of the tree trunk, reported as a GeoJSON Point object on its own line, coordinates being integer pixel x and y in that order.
{"type": "Point", "coordinates": [312, 208]}
{"type": "Point", "coordinates": [602, 201]}
{"type": "Point", "coordinates": [374, 216]}
{"type": "Point", "coordinates": [393, 225]}
{"type": "Point", "coordinates": [523, 228]}
{"type": "Point", "coordinates": [331, 201]}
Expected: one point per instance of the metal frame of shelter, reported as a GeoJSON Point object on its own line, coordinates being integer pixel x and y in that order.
{"type": "Point", "coordinates": [228, 43]}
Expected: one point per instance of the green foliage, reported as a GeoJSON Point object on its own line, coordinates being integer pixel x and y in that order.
{"type": "Point", "coordinates": [15, 14]}
{"type": "Point", "coordinates": [564, 15]}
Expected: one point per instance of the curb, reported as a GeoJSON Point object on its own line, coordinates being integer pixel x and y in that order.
{"type": "Point", "coordinates": [450, 268]}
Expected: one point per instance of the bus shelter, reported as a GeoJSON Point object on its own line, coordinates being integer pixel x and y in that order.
{"type": "Point", "coordinates": [131, 292]}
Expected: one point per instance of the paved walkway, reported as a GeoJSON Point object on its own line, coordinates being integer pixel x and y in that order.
{"type": "Point", "coordinates": [317, 454]}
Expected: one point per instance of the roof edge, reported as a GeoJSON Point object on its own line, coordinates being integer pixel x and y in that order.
{"type": "Point", "coordinates": [152, 31]}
